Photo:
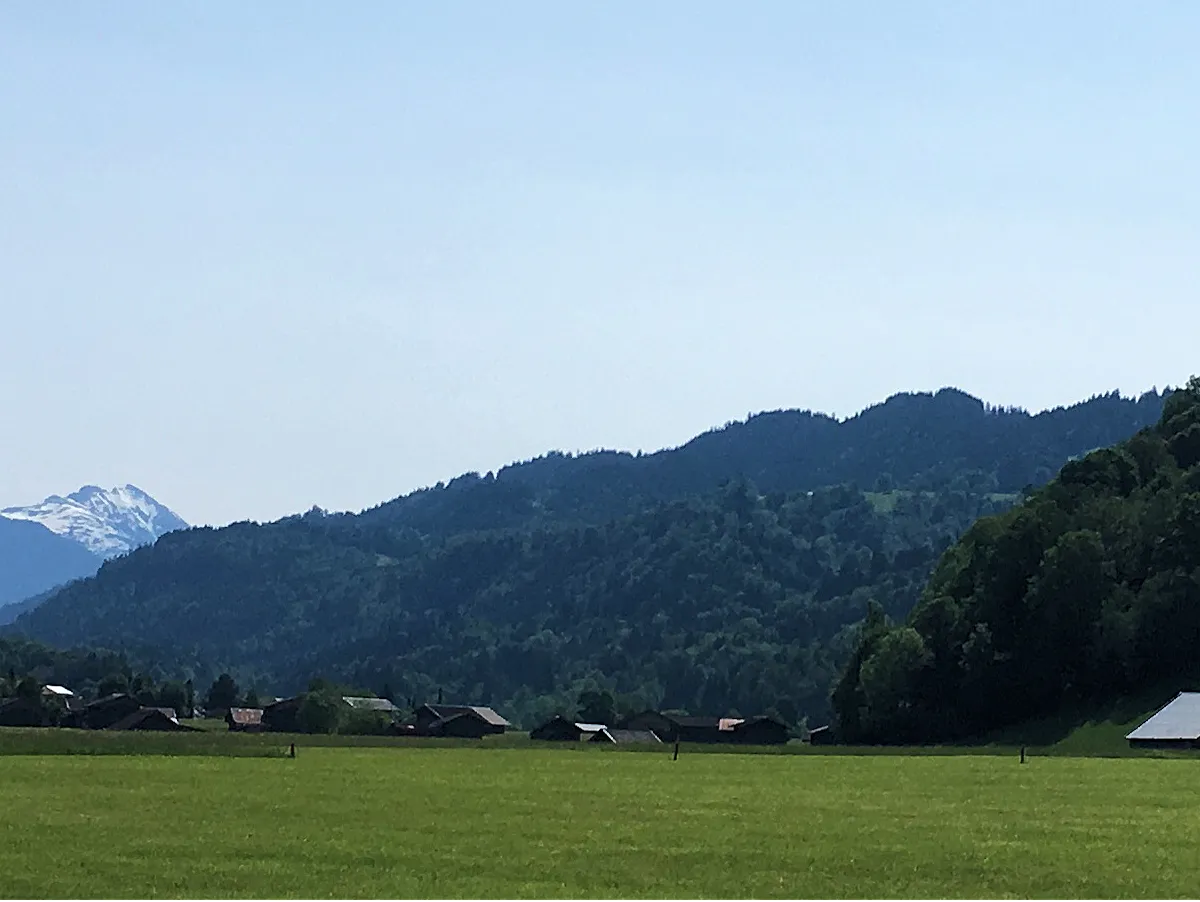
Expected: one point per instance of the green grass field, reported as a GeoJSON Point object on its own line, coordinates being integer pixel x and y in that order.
{"type": "Point", "coordinates": [527, 822]}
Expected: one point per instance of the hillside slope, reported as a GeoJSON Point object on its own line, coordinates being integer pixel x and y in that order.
{"type": "Point", "coordinates": [33, 559]}
{"type": "Point", "coordinates": [1087, 591]}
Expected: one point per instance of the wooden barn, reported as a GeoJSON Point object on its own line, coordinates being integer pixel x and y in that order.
{"type": "Point", "coordinates": [659, 724]}
{"type": "Point", "coordinates": [460, 721]}
{"type": "Point", "coordinates": [245, 720]}
{"type": "Point", "coordinates": [158, 720]}
{"type": "Point", "coordinates": [1176, 725]}
{"type": "Point", "coordinates": [23, 712]}
{"type": "Point", "coordinates": [559, 729]}
{"type": "Point", "coordinates": [761, 731]}
{"type": "Point", "coordinates": [104, 712]}
{"type": "Point", "coordinates": [282, 716]}
{"type": "Point", "coordinates": [710, 730]}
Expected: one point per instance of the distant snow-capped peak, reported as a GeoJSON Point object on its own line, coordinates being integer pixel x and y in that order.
{"type": "Point", "coordinates": [107, 522]}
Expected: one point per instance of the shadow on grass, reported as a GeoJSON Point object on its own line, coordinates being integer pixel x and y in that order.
{"type": "Point", "coordinates": [1096, 729]}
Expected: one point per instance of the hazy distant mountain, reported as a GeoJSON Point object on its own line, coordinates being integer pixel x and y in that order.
{"type": "Point", "coordinates": [10, 612]}
{"type": "Point", "coordinates": [33, 559]}
{"type": "Point", "coordinates": [106, 522]}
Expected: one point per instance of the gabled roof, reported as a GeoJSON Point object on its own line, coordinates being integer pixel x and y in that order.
{"type": "Point", "coordinates": [109, 699]}
{"type": "Point", "coordinates": [282, 704]}
{"type": "Point", "coordinates": [370, 704]}
{"type": "Point", "coordinates": [246, 717]}
{"type": "Point", "coordinates": [141, 715]}
{"type": "Point", "coordinates": [1179, 719]}
{"type": "Point", "coordinates": [487, 715]}
{"type": "Point", "coordinates": [589, 727]}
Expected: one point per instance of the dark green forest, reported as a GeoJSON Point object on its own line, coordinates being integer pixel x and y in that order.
{"type": "Point", "coordinates": [1087, 590]}
{"type": "Point", "coordinates": [724, 577]}
{"type": "Point", "coordinates": [915, 441]}
{"type": "Point", "coordinates": [82, 668]}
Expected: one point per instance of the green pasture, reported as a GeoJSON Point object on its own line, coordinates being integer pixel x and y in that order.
{"type": "Point", "coordinates": [532, 822]}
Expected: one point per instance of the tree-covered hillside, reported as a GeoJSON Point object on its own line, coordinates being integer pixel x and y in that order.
{"type": "Point", "coordinates": [733, 601]}
{"type": "Point", "coordinates": [718, 577]}
{"type": "Point", "coordinates": [915, 441]}
{"type": "Point", "coordinates": [1089, 589]}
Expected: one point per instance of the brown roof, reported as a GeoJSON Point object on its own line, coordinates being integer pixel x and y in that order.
{"type": "Point", "coordinates": [246, 717]}
{"type": "Point", "coordinates": [487, 715]}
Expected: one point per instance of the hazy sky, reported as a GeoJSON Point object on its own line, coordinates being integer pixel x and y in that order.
{"type": "Point", "coordinates": [255, 257]}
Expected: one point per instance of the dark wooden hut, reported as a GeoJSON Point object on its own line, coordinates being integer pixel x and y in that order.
{"type": "Point", "coordinates": [659, 724]}
{"type": "Point", "coordinates": [559, 729]}
{"type": "Point", "coordinates": [463, 721]}
{"type": "Point", "coordinates": [710, 730]}
{"type": "Point", "coordinates": [104, 712]}
{"type": "Point", "coordinates": [23, 712]}
{"type": "Point", "coordinates": [158, 720]}
{"type": "Point", "coordinates": [761, 731]}
{"type": "Point", "coordinates": [282, 716]}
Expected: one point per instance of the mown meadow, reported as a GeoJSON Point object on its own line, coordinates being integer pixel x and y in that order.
{"type": "Point", "coordinates": [532, 822]}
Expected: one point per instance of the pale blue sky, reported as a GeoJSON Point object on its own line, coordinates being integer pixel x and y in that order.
{"type": "Point", "coordinates": [255, 257]}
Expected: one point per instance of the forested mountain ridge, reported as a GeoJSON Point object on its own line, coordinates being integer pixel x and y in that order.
{"type": "Point", "coordinates": [911, 440]}
{"type": "Point", "coordinates": [735, 601]}
{"type": "Point", "coordinates": [1087, 590]}
{"type": "Point", "coordinates": [651, 579]}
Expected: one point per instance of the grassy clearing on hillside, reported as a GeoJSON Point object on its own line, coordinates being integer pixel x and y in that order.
{"type": "Point", "coordinates": [522, 823]}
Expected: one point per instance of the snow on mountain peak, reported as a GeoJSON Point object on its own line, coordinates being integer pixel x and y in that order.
{"type": "Point", "coordinates": [107, 522]}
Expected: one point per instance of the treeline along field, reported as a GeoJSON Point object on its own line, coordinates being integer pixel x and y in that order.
{"type": "Point", "coordinates": [529, 823]}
